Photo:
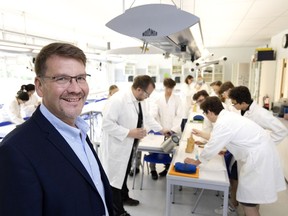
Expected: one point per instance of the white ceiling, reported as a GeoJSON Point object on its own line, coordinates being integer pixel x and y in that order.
{"type": "Point", "coordinates": [225, 23]}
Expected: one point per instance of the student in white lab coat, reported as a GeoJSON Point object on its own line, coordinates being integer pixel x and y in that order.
{"type": "Point", "coordinates": [260, 171]}
{"type": "Point", "coordinates": [120, 135]}
{"type": "Point", "coordinates": [200, 84]}
{"type": "Point", "coordinates": [200, 97]}
{"type": "Point", "coordinates": [29, 106]}
{"type": "Point", "coordinates": [215, 88]}
{"type": "Point", "coordinates": [168, 112]}
{"type": "Point", "coordinates": [11, 111]}
{"type": "Point", "coordinates": [187, 93]}
{"type": "Point", "coordinates": [241, 99]}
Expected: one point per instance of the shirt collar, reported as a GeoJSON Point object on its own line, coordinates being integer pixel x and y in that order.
{"type": "Point", "coordinates": [59, 124]}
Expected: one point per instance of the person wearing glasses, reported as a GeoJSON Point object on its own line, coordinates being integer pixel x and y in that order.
{"type": "Point", "coordinates": [223, 95]}
{"type": "Point", "coordinates": [241, 99]}
{"type": "Point", "coordinates": [260, 171]}
{"type": "Point", "coordinates": [126, 119]}
{"type": "Point", "coordinates": [199, 98]}
{"type": "Point", "coordinates": [48, 165]}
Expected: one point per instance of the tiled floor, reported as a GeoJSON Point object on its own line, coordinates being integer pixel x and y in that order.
{"type": "Point", "coordinates": [152, 200]}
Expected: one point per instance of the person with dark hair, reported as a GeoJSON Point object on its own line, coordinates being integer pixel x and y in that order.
{"type": "Point", "coordinates": [215, 88]}
{"type": "Point", "coordinates": [241, 99]}
{"type": "Point", "coordinates": [125, 120]}
{"type": "Point", "coordinates": [189, 79]}
{"type": "Point", "coordinates": [30, 106]}
{"type": "Point", "coordinates": [253, 149]}
{"type": "Point", "coordinates": [48, 164]}
{"type": "Point", "coordinates": [223, 95]}
{"type": "Point", "coordinates": [199, 97]}
{"type": "Point", "coordinates": [11, 111]}
{"type": "Point", "coordinates": [168, 113]}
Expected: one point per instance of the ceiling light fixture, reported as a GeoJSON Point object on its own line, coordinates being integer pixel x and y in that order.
{"type": "Point", "coordinates": [14, 49]}
{"type": "Point", "coordinates": [162, 23]}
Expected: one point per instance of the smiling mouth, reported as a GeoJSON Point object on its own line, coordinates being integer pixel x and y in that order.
{"type": "Point", "coordinates": [72, 99]}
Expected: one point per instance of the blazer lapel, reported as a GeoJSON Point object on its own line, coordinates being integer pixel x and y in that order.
{"type": "Point", "coordinates": [56, 139]}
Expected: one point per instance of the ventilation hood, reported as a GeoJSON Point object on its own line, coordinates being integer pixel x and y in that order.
{"type": "Point", "coordinates": [164, 26]}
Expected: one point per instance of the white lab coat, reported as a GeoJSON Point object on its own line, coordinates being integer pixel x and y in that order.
{"type": "Point", "coordinates": [187, 93]}
{"type": "Point", "coordinates": [11, 112]}
{"type": "Point", "coordinates": [259, 168]}
{"type": "Point", "coordinates": [168, 113]}
{"type": "Point", "coordinates": [266, 120]}
{"type": "Point", "coordinates": [29, 106]}
{"type": "Point", "coordinates": [201, 86]}
{"type": "Point", "coordinates": [121, 115]}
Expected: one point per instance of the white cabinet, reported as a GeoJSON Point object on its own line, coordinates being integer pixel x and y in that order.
{"type": "Point", "coordinates": [213, 73]}
{"type": "Point", "coordinates": [240, 74]}
{"type": "Point", "coordinates": [262, 80]}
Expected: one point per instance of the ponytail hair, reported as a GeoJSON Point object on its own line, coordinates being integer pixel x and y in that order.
{"type": "Point", "coordinates": [22, 95]}
{"type": "Point", "coordinates": [27, 88]}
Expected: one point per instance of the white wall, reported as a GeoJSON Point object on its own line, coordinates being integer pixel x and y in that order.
{"type": "Point", "coordinates": [276, 44]}
{"type": "Point", "coordinates": [234, 55]}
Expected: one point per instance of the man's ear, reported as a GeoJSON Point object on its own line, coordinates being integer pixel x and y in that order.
{"type": "Point", "coordinates": [38, 86]}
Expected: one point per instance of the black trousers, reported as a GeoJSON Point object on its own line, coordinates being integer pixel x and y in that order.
{"type": "Point", "coordinates": [120, 195]}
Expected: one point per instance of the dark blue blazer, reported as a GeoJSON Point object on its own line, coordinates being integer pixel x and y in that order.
{"type": "Point", "coordinates": [40, 175]}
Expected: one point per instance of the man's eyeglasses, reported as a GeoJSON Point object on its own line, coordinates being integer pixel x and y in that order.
{"type": "Point", "coordinates": [147, 94]}
{"type": "Point", "coordinates": [63, 80]}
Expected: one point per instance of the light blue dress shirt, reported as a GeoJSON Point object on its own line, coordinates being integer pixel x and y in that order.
{"type": "Point", "coordinates": [76, 138]}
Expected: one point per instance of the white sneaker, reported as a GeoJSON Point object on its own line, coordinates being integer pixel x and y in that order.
{"type": "Point", "coordinates": [231, 211]}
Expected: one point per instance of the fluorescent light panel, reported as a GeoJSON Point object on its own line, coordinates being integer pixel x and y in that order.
{"type": "Point", "coordinates": [15, 49]}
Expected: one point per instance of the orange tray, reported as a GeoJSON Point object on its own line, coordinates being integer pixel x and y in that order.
{"type": "Point", "coordinates": [193, 175]}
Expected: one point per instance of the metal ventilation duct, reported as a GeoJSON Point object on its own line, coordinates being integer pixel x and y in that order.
{"type": "Point", "coordinates": [163, 26]}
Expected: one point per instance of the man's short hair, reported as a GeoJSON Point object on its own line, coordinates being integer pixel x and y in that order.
{"type": "Point", "coordinates": [240, 94]}
{"type": "Point", "coordinates": [200, 93]}
{"type": "Point", "coordinates": [212, 104]}
{"type": "Point", "coordinates": [225, 87]}
{"type": "Point", "coordinates": [142, 81]}
{"type": "Point", "coordinates": [57, 49]}
{"type": "Point", "coordinates": [169, 83]}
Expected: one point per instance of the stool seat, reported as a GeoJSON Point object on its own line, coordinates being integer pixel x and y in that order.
{"type": "Point", "coordinates": [158, 158]}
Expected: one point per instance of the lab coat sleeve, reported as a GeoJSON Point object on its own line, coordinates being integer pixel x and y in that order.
{"type": "Point", "coordinates": [149, 121]}
{"type": "Point", "coordinates": [178, 116]}
{"type": "Point", "coordinates": [14, 113]}
{"type": "Point", "coordinates": [220, 137]}
{"type": "Point", "coordinates": [110, 122]}
{"type": "Point", "coordinates": [266, 120]}
{"type": "Point", "coordinates": [278, 130]}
